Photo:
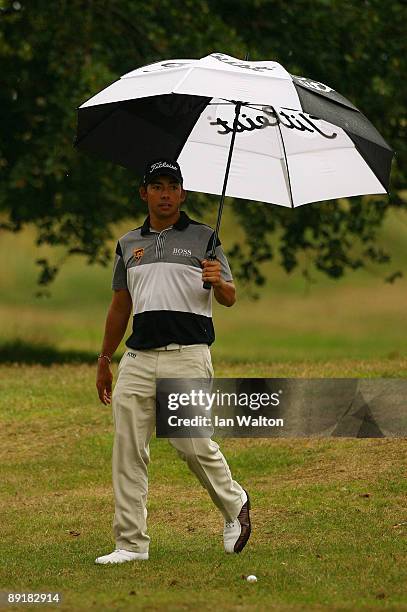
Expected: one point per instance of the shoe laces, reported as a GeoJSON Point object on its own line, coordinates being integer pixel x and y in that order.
{"type": "Point", "coordinates": [230, 524]}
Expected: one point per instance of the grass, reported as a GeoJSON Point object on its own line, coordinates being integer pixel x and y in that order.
{"type": "Point", "coordinates": [393, 366]}
{"type": "Point", "coordinates": [329, 514]}
{"type": "Point", "coordinates": [358, 317]}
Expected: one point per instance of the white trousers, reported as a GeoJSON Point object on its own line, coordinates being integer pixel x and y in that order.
{"type": "Point", "coordinates": [133, 407]}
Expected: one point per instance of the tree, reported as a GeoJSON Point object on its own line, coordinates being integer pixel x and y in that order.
{"type": "Point", "coordinates": [359, 49]}
{"type": "Point", "coordinates": [53, 56]}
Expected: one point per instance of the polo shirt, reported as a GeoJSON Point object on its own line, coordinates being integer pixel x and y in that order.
{"type": "Point", "coordinates": [163, 273]}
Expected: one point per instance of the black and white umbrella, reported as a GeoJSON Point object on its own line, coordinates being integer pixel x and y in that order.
{"type": "Point", "coordinates": [298, 140]}
{"type": "Point", "coordinates": [294, 140]}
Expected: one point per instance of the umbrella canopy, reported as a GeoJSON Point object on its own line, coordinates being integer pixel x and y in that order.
{"type": "Point", "coordinates": [297, 140]}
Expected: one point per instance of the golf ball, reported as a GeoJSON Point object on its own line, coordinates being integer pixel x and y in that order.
{"type": "Point", "coordinates": [251, 578]}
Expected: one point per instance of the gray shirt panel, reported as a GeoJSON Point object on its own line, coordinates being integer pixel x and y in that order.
{"type": "Point", "coordinates": [119, 280]}
{"type": "Point", "coordinates": [188, 247]}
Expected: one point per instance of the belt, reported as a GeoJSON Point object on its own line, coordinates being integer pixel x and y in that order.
{"type": "Point", "coordinates": [176, 347]}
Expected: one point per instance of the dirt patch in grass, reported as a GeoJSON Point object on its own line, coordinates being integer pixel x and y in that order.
{"type": "Point", "coordinates": [28, 441]}
{"type": "Point", "coordinates": [333, 460]}
{"type": "Point", "coordinates": [340, 462]}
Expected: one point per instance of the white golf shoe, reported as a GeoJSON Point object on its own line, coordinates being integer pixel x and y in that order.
{"type": "Point", "coordinates": [121, 556]}
{"type": "Point", "coordinates": [236, 533]}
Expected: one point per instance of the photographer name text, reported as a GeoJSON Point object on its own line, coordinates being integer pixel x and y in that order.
{"type": "Point", "coordinates": [216, 421]}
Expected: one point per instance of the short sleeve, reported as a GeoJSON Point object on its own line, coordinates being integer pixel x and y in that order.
{"type": "Point", "coordinates": [119, 280]}
{"type": "Point", "coordinates": [225, 270]}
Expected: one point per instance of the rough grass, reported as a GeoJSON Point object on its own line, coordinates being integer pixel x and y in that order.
{"type": "Point", "coordinates": [329, 515]}
{"type": "Point", "coordinates": [359, 317]}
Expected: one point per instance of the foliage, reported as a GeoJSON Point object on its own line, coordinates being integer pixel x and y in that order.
{"type": "Point", "coordinates": [53, 56]}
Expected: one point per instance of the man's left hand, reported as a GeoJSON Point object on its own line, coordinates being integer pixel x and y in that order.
{"type": "Point", "coordinates": [211, 272]}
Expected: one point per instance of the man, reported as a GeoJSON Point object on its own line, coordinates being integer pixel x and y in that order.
{"type": "Point", "coordinates": [158, 274]}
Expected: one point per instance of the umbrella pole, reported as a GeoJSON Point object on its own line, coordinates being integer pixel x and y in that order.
{"type": "Point", "coordinates": [206, 284]}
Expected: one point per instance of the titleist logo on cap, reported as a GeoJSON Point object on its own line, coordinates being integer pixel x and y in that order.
{"type": "Point", "coordinates": [162, 166]}
{"type": "Point", "coordinates": [158, 165]}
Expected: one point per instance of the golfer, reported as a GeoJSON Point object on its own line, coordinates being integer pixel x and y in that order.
{"type": "Point", "coordinates": [158, 275]}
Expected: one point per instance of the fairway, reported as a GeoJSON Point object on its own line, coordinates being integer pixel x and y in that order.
{"type": "Point", "coordinates": [329, 517]}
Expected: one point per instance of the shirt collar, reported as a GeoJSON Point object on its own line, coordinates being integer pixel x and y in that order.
{"type": "Point", "coordinates": [180, 225]}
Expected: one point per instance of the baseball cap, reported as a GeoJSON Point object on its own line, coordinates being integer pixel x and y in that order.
{"type": "Point", "coordinates": [156, 167]}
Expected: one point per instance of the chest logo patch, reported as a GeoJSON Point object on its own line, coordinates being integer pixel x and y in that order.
{"type": "Point", "coordinates": [184, 252]}
{"type": "Point", "coordinates": [138, 254]}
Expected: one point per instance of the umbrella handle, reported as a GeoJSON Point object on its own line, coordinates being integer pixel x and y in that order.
{"type": "Point", "coordinates": [207, 285]}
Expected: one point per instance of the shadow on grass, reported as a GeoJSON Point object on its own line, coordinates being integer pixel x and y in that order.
{"type": "Point", "coordinates": [18, 351]}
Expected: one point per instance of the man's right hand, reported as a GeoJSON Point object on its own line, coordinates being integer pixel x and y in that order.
{"type": "Point", "coordinates": [104, 380]}
{"type": "Point", "coordinates": [116, 323]}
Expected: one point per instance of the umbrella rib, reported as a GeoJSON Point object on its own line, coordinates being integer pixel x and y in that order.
{"type": "Point", "coordinates": [285, 158]}
{"type": "Point", "coordinates": [248, 104]}
{"type": "Point", "coordinates": [153, 72]}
